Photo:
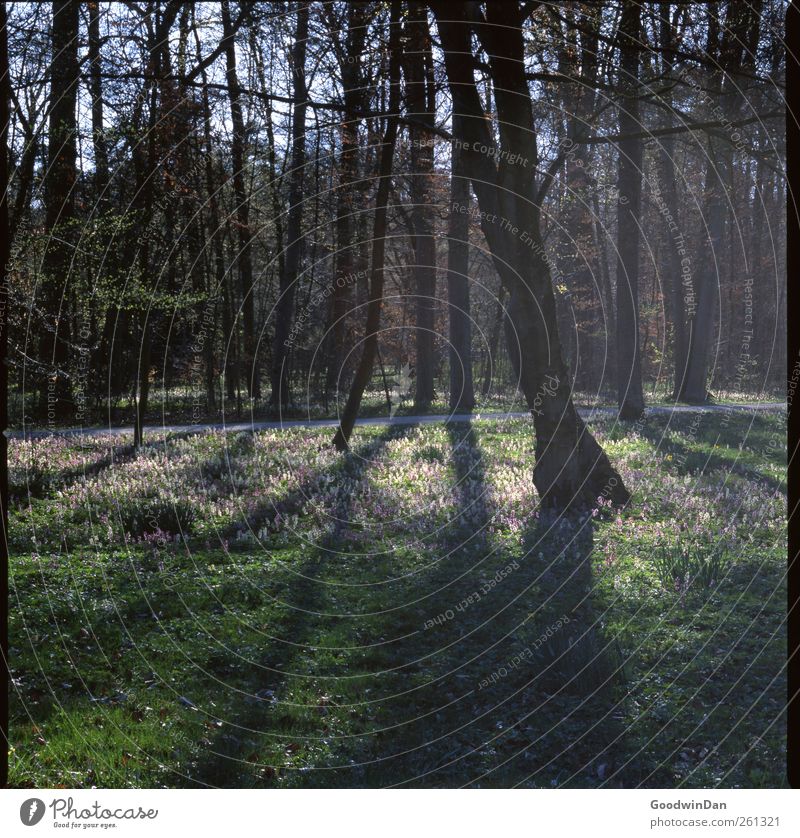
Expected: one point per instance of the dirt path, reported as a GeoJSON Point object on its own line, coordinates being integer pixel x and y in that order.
{"type": "Point", "coordinates": [233, 427]}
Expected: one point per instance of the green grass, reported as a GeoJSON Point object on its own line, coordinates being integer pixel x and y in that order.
{"type": "Point", "coordinates": [424, 628]}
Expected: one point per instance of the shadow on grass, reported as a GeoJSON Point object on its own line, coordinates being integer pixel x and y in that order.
{"type": "Point", "coordinates": [661, 433]}
{"type": "Point", "coordinates": [511, 680]}
{"type": "Point", "coordinates": [224, 762]}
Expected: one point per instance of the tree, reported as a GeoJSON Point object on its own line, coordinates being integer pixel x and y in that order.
{"type": "Point", "coordinates": [421, 108]}
{"type": "Point", "coordinates": [341, 439]}
{"type": "Point", "coordinates": [244, 259]}
{"type": "Point", "coordinates": [578, 262]}
{"type": "Point", "coordinates": [462, 395]}
{"type": "Point", "coordinates": [353, 99]}
{"type": "Point", "coordinates": [5, 255]}
{"type": "Point", "coordinates": [666, 175]}
{"type": "Point", "coordinates": [159, 88]}
{"type": "Point", "coordinates": [727, 47]}
{"type": "Point", "coordinates": [55, 392]}
{"type": "Point", "coordinates": [571, 468]}
{"type": "Point", "coordinates": [629, 202]}
{"type": "Point", "coordinates": [294, 231]}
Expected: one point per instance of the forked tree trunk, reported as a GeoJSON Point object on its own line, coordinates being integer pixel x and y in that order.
{"type": "Point", "coordinates": [571, 468]}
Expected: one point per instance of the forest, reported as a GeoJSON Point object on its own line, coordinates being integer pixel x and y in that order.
{"type": "Point", "coordinates": [394, 389]}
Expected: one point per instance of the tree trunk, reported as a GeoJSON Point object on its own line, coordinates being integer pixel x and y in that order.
{"type": "Point", "coordinates": [421, 106]}
{"type": "Point", "coordinates": [600, 243]}
{"type": "Point", "coordinates": [730, 46]}
{"type": "Point", "coordinates": [101, 356]}
{"type": "Point", "coordinates": [346, 198]}
{"type": "Point", "coordinates": [159, 64]}
{"type": "Point", "coordinates": [96, 87]}
{"type": "Point", "coordinates": [363, 373]}
{"type": "Point", "coordinates": [244, 258]}
{"type": "Point", "coordinates": [578, 253]}
{"type": "Point", "coordinates": [665, 162]}
{"type": "Point", "coordinates": [462, 396]}
{"type": "Point", "coordinates": [571, 468]}
{"type": "Point", "coordinates": [284, 308]}
{"type": "Point", "coordinates": [489, 369]}
{"type": "Point", "coordinates": [55, 394]}
{"type": "Point", "coordinates": [630, 395]}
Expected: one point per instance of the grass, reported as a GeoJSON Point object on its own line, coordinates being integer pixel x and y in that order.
{"type": "Point", "coordinates": [401, 614]}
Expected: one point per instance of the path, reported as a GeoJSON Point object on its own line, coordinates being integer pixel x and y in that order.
{"type": "Point", "coordinates": [233, 427]}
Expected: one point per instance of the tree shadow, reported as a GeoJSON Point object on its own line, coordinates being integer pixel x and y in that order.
{"type": "Point", "coordinates": [686, 461]}
{"type": "Point", "coordinates": [511, 679]}
{"type": "Point", "coordinates": [258, 711]}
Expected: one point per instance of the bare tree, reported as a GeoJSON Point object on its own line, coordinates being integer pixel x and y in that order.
{"type": "Point", "coordinates": [421, 108]}
{"type": "Point", "coordinates": [294, 229]}
{"type": "Point", "coordinates": [629, 202]}
{"type": "Point", "coordinates": [59, 198]}
{"type": "Point", "coordinates": [367, 362]}
{"type": "Point", "coordinates": [244, 258]}
{"type": "Point", "coordinates": [462, 395]}
{"type": "Point", "coordinates": [571, 467]}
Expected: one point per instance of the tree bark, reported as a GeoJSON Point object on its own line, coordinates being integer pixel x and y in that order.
{"type": "Point", "coordinates": [341, 439]}
{"type": "Point", "coordinates": [55, 393]}
{"type": "Point", "coordinates": [284, 309]}
{"type": "Point", "coordinates": [630, 394]}
{"type": "Point", "coordinates": [462, 395]}
{"type": "Point", "coordinates": [421, 107]}
{"type": "Point", "coordinates": [346, 196]}
{"type": "Point", "coordinates": [571, 468]}
{"type": "Point", "coordinates": [244, 259]}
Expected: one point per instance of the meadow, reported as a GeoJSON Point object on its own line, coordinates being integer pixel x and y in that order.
{"type": "Point", "coordinates": [258, 610]}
